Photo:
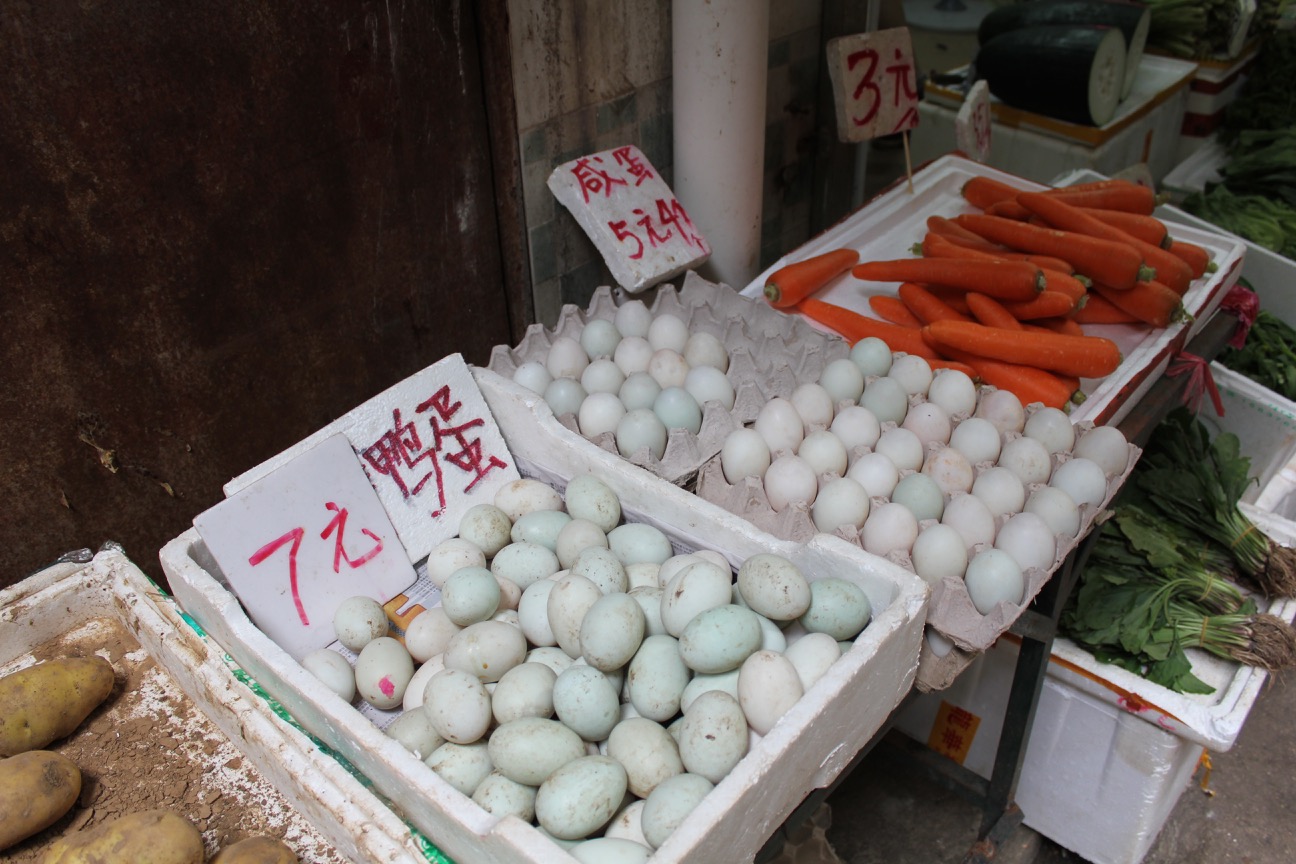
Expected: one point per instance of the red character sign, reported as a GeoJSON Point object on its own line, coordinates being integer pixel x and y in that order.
{"type": "Point", "coordinates": [874, 84]}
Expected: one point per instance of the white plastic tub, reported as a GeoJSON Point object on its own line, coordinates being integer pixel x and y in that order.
{"type": "Point", "coordinates": [806, 750]}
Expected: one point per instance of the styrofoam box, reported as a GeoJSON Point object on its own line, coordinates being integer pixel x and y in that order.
{"type": "Point", "coordinates": [807, 749]}
{"type": "Point", "coordinates": [1109, 752]}
{"type": "Point", "coordinates": [1265, 425]}
{"type": "Point", "coordinates": [64, 596]}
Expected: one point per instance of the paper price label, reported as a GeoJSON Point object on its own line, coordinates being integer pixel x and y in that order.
{"type": "Point", "coordinates": [875, 87]}
{"type": "Point", "coordinates": [972, 125]}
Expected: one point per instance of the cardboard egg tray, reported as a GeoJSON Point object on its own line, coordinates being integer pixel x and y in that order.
{"type": "Point", "coordinates": [770, 352]}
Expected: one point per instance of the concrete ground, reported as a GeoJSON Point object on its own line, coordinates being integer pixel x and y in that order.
{"type": "Point", "coordinates": [885, 813]}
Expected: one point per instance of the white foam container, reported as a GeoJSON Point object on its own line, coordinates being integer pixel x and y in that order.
{"type": "Point", "coordinates": [1110, 753]}
{"type": "Point", "coordinates": [62, 597]}
{"type": "Point", "coordinates": [1265, 425]}
{"type": "Point", "coordinates": [806, 750]}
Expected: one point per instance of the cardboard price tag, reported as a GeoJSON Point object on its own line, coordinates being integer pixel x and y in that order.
{"type": "Point", "coordinates": [972, 124]}
{"type": "Point", "coordinates": [299, 541]}
{"type": "Point", "coordinates": [875, 87]}
{"type": "Point", "coordinates": [639, 227]}
{"type": "Point", "coordinates": [429, 447]}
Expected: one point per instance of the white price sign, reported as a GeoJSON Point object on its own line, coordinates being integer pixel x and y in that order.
{"type": "Point", "coordinates": [875, 87]}
{"type": "Point", "coordinates": [973, 123]}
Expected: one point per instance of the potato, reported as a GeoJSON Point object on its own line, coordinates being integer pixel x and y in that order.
{"type": "Point", "coordinates": [146, 837]}
{"type": "Point", "coordinates": [49, 700]}
{"type": "Point", "coordinates": [36, 789]}
{"type": "Point", "coordinates": [256, 850]}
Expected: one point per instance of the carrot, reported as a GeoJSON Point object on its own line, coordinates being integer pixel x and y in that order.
{"type": "Point", "coordinates": [947, 227]}
{"type": "Point", "coordinates": [937, 245]}
{"type": "Point", "coordinates": [1109, 195]}
{"type": "Point", "coordinates": [1061, 323]}
{"type": "Point", "coordinates": [955, 298]}
{"type": "Point", "coordinates": [1115, 264]}
{"type": "Point", "coordinates": [1049, 304]}
{"type": "Point", "coordinates": [1170, 270]}
{"type": "Point", "coordinates": [1010, 280]}
{"type": "Point", "coordinates": [1100, 310]}
{"type": "Point", "coordinates": [1197, 257]}
{"type": "Point", "coordinates": [853, 327]}
{"type": "Point", "coordinates": [926, 305]}
{"type": "Point", "coordinates": [1028, 383]}
{"type": "Point", "coordinates": [942, 363]}
{"type": "Point", "coordinates": [981, 191]}
{"type": "Point", "coordinates": [1009, 208]}
{"type": "Point", "coordinates": [1149, 302]}
{"type": "Point", "coordinates": [893, 309]}
{"type": "Point", "coordinates": [1149, 229]}
{"type": "Point", "coordinates": [1083, 356]}
{"type": "Point", "coordinates": [991, 312]}
{"type": "Point", "coordinates": [794, 282]}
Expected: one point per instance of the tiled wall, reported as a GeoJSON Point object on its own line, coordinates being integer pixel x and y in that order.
{"type": "Point", "coordinates": [591, 75]}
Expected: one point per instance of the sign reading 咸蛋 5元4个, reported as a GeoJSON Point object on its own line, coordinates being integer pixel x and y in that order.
{"type": "Point", "coordinates": [875, 87]}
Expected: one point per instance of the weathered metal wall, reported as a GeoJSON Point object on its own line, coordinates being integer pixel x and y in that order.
{"type": "Point", "coordinates": [223, 224]}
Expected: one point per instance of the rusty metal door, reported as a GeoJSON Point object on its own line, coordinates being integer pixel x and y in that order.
{"type": "Point", "coordinates": [222, 225]}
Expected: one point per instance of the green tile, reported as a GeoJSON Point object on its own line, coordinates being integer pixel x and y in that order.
{"type": "Point", "coordinates": [780, 51]}
{"type": "Point", "coordinates": [656, 140]}
{"type": "Point", "coordinates": [579, 285]}
{"type": "Point", "coordinates": [616, 113]}
{"type": "Point", "coordinates": [535, 145]}
{"type": "Point", "coordinates": [544, 254]}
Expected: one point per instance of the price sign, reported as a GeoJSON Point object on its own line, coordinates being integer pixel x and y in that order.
{"type": "Point", "coordinates": [299, 541]}
{"type": "Point", "coordinates": [972, 124]}
{"type": "Point", "coordinates": [428, 446]}
{"type": "Point", "coordinates": [639, 227]}
{"type": "Point", "coordinates": [875, 87]}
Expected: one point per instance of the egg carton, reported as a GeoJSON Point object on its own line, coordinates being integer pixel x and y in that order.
{"type": "Point", "coordinates": [951, 612]}
{"type": "Point", "coordinates": [770, 352]}
{"type": "Point", "coordinates": [808, 748]}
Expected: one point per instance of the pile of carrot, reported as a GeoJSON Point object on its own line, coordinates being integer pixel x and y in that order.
{"type": "Point", "coordinates": [1005, 289]}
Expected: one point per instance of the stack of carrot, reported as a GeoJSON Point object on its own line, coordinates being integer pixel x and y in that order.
{"type": "Point", "coordinates": [1003, 291]}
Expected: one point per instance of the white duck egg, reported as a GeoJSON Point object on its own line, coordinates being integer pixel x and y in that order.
{"type": "Point", "coordinates": [458, 705]}
{"type": "Point", "coordinates": [333, 669]}
{"type": "Point", "coordinates": [383, 671]}
{"type": "Point", "coordinates": [533, 375]}
{"type": "Point", "coordinates": [939, 553]}
{"type": "Point", "coordinates": [1056, 508]}
{"type": "Point", "coordinates": [539, 526]}
{"type": "Point", "coordinates": [950, 469]}
{"type": "Point", "coordinates": [921, 495]}
{"type": "Point", "coordinates": [780, 425]}
{"type": "Point", "coordinates": [358, 621]}
{"type": "Point", "coordinates": [856, 426]}
{"type": "Point", "coordinates": [1105, 445]}
{"type": "Point", "coordinates": [902, 447]}
{"type": "Point", "coordinates": [589, 497]}
{"type": "Point", "coordinates": [470, 595]}
{"type": "Point", "coordinates": [1001, 490]}
{"type": "Point", "coordinates": [487, 527]}
{"type": "Point", "coordinates": [705, 349]}
{"type": "Point", "coordinates": [668, 331]}
{"type": "Point", "coordinates": [602, 376]}
{"type": "Point", "coordinates": [599, 338]}
{"type": "Point", "coordinates": [523, 561]}
{"type": "Point", "coordinates": [890, 527]}
{"type": "Point", "coordinates": [1029, 540]}
{"type": "Point", "coordinates": [969, 515]}
{"type": "Point", "coordinates": [773, 586]}
{"type": "Point", "coordinates": [639, 390]}
{"type": "Point", "coordinates": [978, 439]}
{"type": "Point", "coordinates": [566, 358]}
{"type": "Point", "coordinates": [1052, 428]}
{"type": "Point", "coordinates": [744, 453]}
{"type": "Point", "coordinates": [633, 318]}
{"type": "Point", "coordinates": [993, 577]}
{"type": "Point", "coordinates": [1028, 459]}
{"type": "Point", "coordinates": [841, 502]}
{"type": "Point", "coordinates": [913, 372]}
{"type": "Point", "coordinates": [876, 473]}
{"type": "Point", "coordinates": [954, 391]}
{"type": "Point", "coordinates": [668, 367]}
{"type": "Point", "coordinates": [525, 495]}
{"type": "Point", "coordinates": [872, 356]}
{"type": "Point", "coordinates": [843, 380]}
{"type": "Point", "coordinates": [929, 422]}
{"type": "Point", "coordinates": [599, 413]}
{"type": "Point", "coordinates": [789, 479]}
{"type": "Point", "coordinates": [814, 404]}
{"type": "Point", "coordinates": [825, 453]}
{"type": "Point", "coordinates": [1003, 409]}
{"type": "Point", "coordinates": [886, 398]}
{"type": "Point", "coordinates": [639, 542]}
{"type": "Point", "coordinates": [640, 428]}
{"type": "Point", "coordinates": [709, 384]}
{"type": "Point", "coordinates": [1083, 479]}
{"type": "Point", "coordinates": [429, 634]}
{"type": "Point", "coordinates": [678, 409]}
{"type": "Point", "coordinates": [564, 396]}
{"type": "Point", "coordinates": [632, 355]}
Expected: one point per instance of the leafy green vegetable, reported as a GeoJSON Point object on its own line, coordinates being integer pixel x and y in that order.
{"type": "Point", "coordinates": [1263, 220]}
{"type": "Point", "coordinates": [1191, 28]}
{"type": "Point", "coordinates": [1266, 99]}
{"type": "Point", "coordinates": [1269, 355]}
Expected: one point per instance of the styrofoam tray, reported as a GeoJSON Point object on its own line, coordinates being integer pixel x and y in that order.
{"type": "Point", "coordinates": [63, 597]}
{"type": "Point", "coordinates": [889, 225]}
{"type": "Point", "coordinates": [807, 749]}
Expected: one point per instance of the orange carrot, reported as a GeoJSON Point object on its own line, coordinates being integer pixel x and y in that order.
{"type": "Point", "coordinates": [1061, 324]}
{"type": "Point", "coordinates": [955, 298]}
{"type": "Point", "coordinates": [1009, 208]}
{"type": "Point", "coordinates": [991, 312]}
{"type": "Point", "coordinates": [982, 192]}
{"type": "Point", "coordinates": [943, 363]}
{"type": "Point", "coordinates": [1115, 264]}
{"type": "Point", "coordinates": [1049, 304]}
{"type": "Point", "coordinates": [1149, 229]}
{"type": "Point", "coordinates": [1170, 270]}
{"type": "Point", "coordinates": [1083, 356]}
{"type": "Point", "coordinates": [1027, 382]}
{"type": "Point", "coordinates": [938, 245]}
{"type": "Point", "coordinates": [1109, 195]}
{"type": "Point", "coordinates": [926, 305]}
{"type": "Point", "coordinates": [1099, 310]}
{"type": "Point", "coordinates": [853, 327]}
{"type": "Point", "coordinates": [893, 309]}
{"type": "Point", "coordinates": [1149, 302]}
{"type": "Point", "coordinates": [1197, 257]}
{"type": "Point", "coordinates": [794, 282]}
{"type": "Point", "coordinates": [1009, 280]}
